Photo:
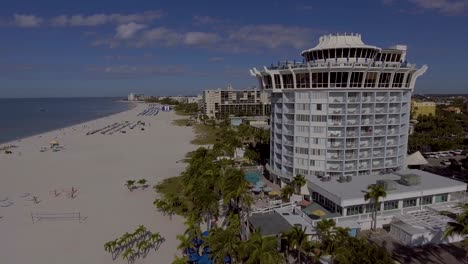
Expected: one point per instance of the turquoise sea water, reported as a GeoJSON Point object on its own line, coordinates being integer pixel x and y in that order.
{"type": "Point", "coordinates": [21, 118]}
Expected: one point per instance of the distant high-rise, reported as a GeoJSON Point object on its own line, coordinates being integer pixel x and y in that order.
{"type": "Point", "coordinates": [222, 103]}
{"type": "Point", "coordinates": [343, 111]}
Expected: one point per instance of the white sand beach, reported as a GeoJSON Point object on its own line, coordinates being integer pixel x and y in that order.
{"type": "Point", "coordinates": [98, 166]}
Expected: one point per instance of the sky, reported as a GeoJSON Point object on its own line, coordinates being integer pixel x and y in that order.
{"type": "Point", "coordinates": [62, 48]}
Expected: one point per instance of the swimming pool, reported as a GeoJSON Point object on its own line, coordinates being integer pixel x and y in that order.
{"type": "Point", "coordinates": [252, 176]}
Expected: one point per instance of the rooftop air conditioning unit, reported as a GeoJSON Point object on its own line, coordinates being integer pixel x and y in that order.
{"type": "Point", "coordinates": [410, 179]}
{"type": "Point", "coordinates": [387, 184]}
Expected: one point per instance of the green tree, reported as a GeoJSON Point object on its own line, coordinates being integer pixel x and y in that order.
{"type": "Point", "coordinates": [251, 154]}
{"type": "Point", "coordinates": [373, 194]}
{"type": "Point", "coordinates": [260, 250]}
{"type": "Point", "coordinates": [287, 191]}
{"type": "Point", "coordinates": [459, 227]}
{"type": "Point", "coordinates": [298, 182]}
{"type": "Point", "coordinates": [297, 238]}
{"type": "Point", "coordinates": [130, 184]}
{"type": "Point", "coordinates": [225, 242]}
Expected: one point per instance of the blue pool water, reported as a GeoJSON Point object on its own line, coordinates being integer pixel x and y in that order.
{"type": "Point", "coordinates": [252, 176]}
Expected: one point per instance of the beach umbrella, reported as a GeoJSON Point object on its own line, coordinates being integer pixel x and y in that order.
{"type": "Point", "coordinates": [318, 212]}
{"type": "Point", "coordinates": [260, 184]}
{"type": "Point", "coordinates": [267, 189]}
{"type": "Point", "coordinates": [257, 189]}
{"type": "Point", "coordinates": [205, 259]}
{"type": "Point", "coordinates": [227, 259]}
{"type": "Point", "coordinates": [206, 250]}
{"type": "Point", "coordinates": [273, 193]}
{"type": "Point", "coordinates": [194, 257]}
{"type": "Point", "coordinates": [303, 203]}
{"type": "Point", "coordinates": [205, 234]}
{"type": "Point", "coordinates": [54, 142]}
{"type": "Point", "coordinates": [197, 241]}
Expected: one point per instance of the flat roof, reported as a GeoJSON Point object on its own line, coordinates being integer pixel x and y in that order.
{"type": "Point", "coordinates": [352, 193]}
{"type": "Point", "coordinates": [296, 217]}
{"type": "Point", "coordinates": [424, 221]}
{"type": "Point", "coordinates": [269, 224]}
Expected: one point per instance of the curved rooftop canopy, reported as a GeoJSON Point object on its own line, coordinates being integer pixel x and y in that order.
{"type": "Point", "coordinates": [340, 41]}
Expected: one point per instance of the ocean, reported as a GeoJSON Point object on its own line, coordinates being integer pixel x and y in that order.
{"type": "Point", "coordinates": [20, 118]}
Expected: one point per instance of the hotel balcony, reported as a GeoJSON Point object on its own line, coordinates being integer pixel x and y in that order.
{"type": "Point", "coordinates": [334, 168]}
{"type": "Point", "coordinates": [391, 153]}
{"type": "Point", "coordinates": [394, 99]}
{"type": "Point", "coordinates": [353, 110]}
{"type": "Point", "coordinates": [278, 120]}
{"type": "Point", "coordinates": [288, 121]}
{"type": "Point", "coordinates": [354, 99]}
{"type": "Point", "coordinates": [288, 142]}
{"type": "Point", "coordinates": [351, 155]}
{"type": "Point", "coordinates": [392, 142]}
{"type": "Point", "coordinates": [363, 165]}
{"type": "Point", "coordinates": [364, 154]}
{"type": "Point", "coordinates": [365, 143]}
{"type": "Point", "coordinates": [393, 110]}
{"type": "Point", "coordinates": [366, 133]}
{"type": "Point", "coordinates": [288, 132]}
{"type": "Point", "coordinates": [352, 132]}
{"type": "Point", "coordinates": [335, 145]}
{"type": "Point", "coordinates": [335, 123]}
{"type": "Point", "coordinates": [380, 99]}
{"type": "Point", "coordinates": [379, 121]}
{"type": "Point", "coordinates": [379, 132]}
{"type": "Point", "coordinates": [377, 164]}
{"type": "Point", "coordinates": [334, 155]}
{"type": "Point", "coordinates": [378, 154]}
{"type": "Point", "coordinates": [288, 99]}
{"type": "Point", "coordinates": [379, 143]}
{"type": "Point", "coordinates": [380, 110]}
{"type": "Point", "coordinates": [288, 111]}
{"type": "Point", "coordinates": [366, 110]}
{"type": "Point", "coordinates": [278, 110]}
{"type": "Point", "coordinates": [288, 153]}
{"type": "Point", "coordinates": [367, 99]}
{"type": "Point", "coordinates": [393, 121]}
{"type": "Point", "coordinates": [350, 166]}
{"type": "Point", "coordinates": [366, 121]}
{"type": "Point", "coordinates": [335, 133]}
{"type": "Point", "coordinates": [336, 97]}
{"type": "Point", "coordinates": [287, 162]}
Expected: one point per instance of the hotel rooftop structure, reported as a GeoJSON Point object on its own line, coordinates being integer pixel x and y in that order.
{"type": "Point", "coordinates": [341, 118]}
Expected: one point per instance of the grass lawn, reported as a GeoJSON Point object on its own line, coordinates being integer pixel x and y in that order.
{"type": "Point", "coordinates": [183, 122]}
{"type": "Point", "coordinates": [206, 135]}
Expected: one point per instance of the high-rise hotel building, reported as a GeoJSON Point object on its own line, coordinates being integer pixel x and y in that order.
{"type": "Point", "coordinates": [343, 112]}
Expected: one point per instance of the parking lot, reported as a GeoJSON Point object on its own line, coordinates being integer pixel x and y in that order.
{"type": "Point", "coordinates": [436, 167]}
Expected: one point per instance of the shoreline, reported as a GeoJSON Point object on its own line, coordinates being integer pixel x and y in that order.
{"type": "Point", "coordinates": [19, 140]}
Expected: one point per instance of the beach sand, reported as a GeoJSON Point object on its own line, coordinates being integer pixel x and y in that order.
{"type": "Point", "coordinates": [98, 166]}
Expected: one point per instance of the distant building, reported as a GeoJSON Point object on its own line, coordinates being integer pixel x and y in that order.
{"type": "Point", "coordinates": [422, 108]}
{"type": "Point", "coordinates": [194, 99]}
{"type": "Point", "coordinates": [453, 109]}
{"type": "Point", "coordinates": [222, 103]}
{"type": "Point", "coordinates": [136, 97]}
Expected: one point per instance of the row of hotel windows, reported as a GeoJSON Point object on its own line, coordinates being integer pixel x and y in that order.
{"type": "Point", "coordinates": [307, 162]}
{"type": "Point", "coordinates": [324, 95]}
{"type": "Point", "coordinates": [392, 205]}
{"type": "Point", "coordinates": [351, 53]}
{"type": "Point", "coordinates": [338, 79]}
{"type": "Point", "coordinates": [312, 151]}
{"type": "Point", "coordinates": [307, 107]}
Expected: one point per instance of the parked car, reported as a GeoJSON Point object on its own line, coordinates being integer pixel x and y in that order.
{"type": "Point", "coordinates": [445, 163]}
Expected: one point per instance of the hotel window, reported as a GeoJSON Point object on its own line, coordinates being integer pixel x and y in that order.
{"type": "Point", "coordinates": [317, 163]}
{"type": "Point", "coordinates": [352, 53]}
{"type": "Point", "coordinates": [317, 129]}
{"type": "Point", "coordinates": [317, 152]}
{"type": "Point", "coordinates": [332, 54]}
{"type": "Point", "coordinates": [319, 107]}
{"type": "Point", "coordinates": [441, 198]}
{"type": "Point", "coordinates": [317, 141]}
{"type": "Point", "coordinates": [300, 161]}
{"type": "Point", "coordinates": [384, 80]}
{"type": "Point", "coordinates": [303, 129]}
{"type": "Point", "coordinates": [408, 80]}
{"type": "Point", "coordinates": [305, 118]}
{"type": "Point", "coordinates": [356, 79]}
{"type": "Point", "coordinates": [302, 80]}
{"type": "Point", "coordinates": [390, 205]}
{"type": "Point", "coordinates": [268, 81]}
{"type": "Point", "coordinates": [277, 81]}
{"type": "Point", "coordinates": [319, 79]}
{"type": "Point", "coordinates": [320, 54]}
{"type": "Point", "coordinates": [339, 53]}
{"type": "Point", "coordinates": [319, 95]}
{"type": "Point", "coordinates": [345, 53]}
{"type": "Point", "coordinates": [354, 210]}
{"type": "Point", "coordinates": [288, 81]}
{"type": "Point", "coordinates": [409, 202]}
{"type": "Point", "coordinates": [370, 207]}
{"type": "Point", "coordinates": [426, 200]}
{"type": "Point", "coordinates": [302, 172]}
{"type": "Point", "coordinates": [398, 79]}
{"type": "Point", "coordinates": [303, 107]}
{"type": "Point", "coordinates": [338, 79]}
{"type": "Point", "coordinates": [302, 150]}
{"type": "Point", "coordinates": [371, 77]}
{"type": "Point", "coordinates": [302, 140]}
{"type": "Point", "coordinates": [302, 95]}
{"type": "Point", "coordinates": [318, 118]}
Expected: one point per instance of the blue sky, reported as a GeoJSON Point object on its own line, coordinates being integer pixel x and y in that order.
{"type": "Point", "coordinates": [113, 47]}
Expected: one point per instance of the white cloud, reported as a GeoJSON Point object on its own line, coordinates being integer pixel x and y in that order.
{"type": "Point", "coordinates": [450, 7]}
{"type": "Point", "coordinates": [161, 35]}
{"type": "Point", "coordinates": [59, 21]}
{"type": "Point", "coordinates": [216, 59]}
{"type": "Point", "coordinates": [127, 31]}
{"type": "Point", "coordinates": [200, 38]}
{"type": "Point", "coordinates": [203, 20]}
{"type": "Point", "coordinates": [79, 20]}
{"type": "Point", "coordinates": [272, 36]}
{"type": "Point", "coordinates": [27, 20]}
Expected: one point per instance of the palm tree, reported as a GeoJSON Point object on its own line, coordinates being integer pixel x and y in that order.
{"type": "Point", "coordinates": [298, 182]}
{"type": "Point", "coordinates": [297, 238]}
{"type": "Point", "coordinates": [237, 190]}
{"type": "Point", "coordinates": [180, 260]}
{"type": "Point", "coordinates": [258, 249]}
{"type": "Point", "coordinates": [325, 227]}
{"type": "Point", "coordinates": [130, 184]}
{"type": "Point", "coordinates": [128, 254]}
{"type": "Point", "coordinates": [185, 242]}
{"type": "Point", "coordinates": [193, 230]}
{"type": "Point", "coordinates": [108, 246]}
{"type": "Point", "coordinates": [140, 231]}
{"type": "Point", "coordinates": [374, 193]}
{"type": "Point", "coordinates": [287, 191]}
{"type": "Point", "coordinates": [142, 182]}
{"type": "Point", "coordinates": [459, 227]}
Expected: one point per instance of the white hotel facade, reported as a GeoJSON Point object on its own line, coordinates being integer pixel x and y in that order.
{"type": "Point", "coordinates": [341, 118]}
